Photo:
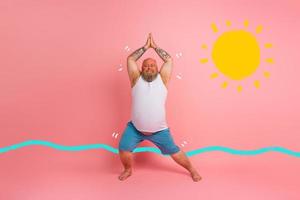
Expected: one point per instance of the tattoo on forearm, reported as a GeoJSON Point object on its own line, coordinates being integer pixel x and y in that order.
{"type": "Point", "coordinates": [138, 53]}
{"type": "Point", "coordinates": [162, 53]}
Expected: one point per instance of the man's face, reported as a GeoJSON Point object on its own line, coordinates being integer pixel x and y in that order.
{"type": "Point", "coordinates": [149, 69]}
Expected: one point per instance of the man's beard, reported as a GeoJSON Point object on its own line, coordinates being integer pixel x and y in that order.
{"type": "Point", "coordinates": [149, 76]}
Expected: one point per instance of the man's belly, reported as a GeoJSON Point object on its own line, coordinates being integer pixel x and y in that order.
{"type": "Point", "coordinates": [146, 133]}
{"type": "Point", "coordinates": [149, 125]}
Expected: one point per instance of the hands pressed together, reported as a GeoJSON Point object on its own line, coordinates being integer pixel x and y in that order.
{"type": "Point", "coordinates": [150, 42]}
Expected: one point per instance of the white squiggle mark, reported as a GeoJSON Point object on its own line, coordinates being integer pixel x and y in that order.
{"type": "Point", "coordinates": [178, 55]}
{"type": "Point", "coordinates": [184, 142]}
{"type": "Point", "coordinates": [115, 135]}
{"type": "Point", "coordinates": [127, 48]}
{"type": "Point", "coordinates": [179, 76]}
{"type": "Point", "coordinates": [120, 67]}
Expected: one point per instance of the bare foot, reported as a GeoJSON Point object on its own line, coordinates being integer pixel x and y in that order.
{"type": "Point", "coordinates": [125, 174]}
{"type": "Point", "coordinates": [195, 176]}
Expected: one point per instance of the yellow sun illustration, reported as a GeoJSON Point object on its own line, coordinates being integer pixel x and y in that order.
{"type": "Point", "coordinates": [236, 54]}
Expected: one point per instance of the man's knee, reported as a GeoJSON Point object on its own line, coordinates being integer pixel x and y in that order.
{"type": "Point", "coordinates": [170, 149]}
{"type": "Point", "coordinates": [125, 146]}
{"type": "Point", "coordinates": [176, 153]}
{"type": "Point", "coordinates": [123, 151]}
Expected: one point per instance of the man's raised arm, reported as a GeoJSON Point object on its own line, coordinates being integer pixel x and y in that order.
{"type": "Point", "coordinates": [166, 69]}
{"type": "Point", "coordinates": [138, 53]}
{"type": "Point", "coordinates": [163, 54]}
{"type": "Point", "coordinates": [132, 67]}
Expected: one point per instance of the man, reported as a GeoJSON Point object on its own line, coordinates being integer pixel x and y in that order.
{"type": "Point", "coordinates": [148, 121]}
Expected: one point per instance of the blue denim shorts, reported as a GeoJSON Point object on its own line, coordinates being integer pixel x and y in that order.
{"type": "Point", "coordinates": [131, 137]}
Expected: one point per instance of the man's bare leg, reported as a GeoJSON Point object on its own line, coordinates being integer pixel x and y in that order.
{"type": "Point", "coordinates": [183, 160]}
{"type": "Point", "coordinates": [126, 158]}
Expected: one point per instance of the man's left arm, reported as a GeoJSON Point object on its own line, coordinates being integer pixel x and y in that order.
{"type": "Point", "coordinates": [166, 69]}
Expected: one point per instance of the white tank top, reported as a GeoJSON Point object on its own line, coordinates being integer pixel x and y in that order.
{"type": "Point", "coordinates": [148, 105]}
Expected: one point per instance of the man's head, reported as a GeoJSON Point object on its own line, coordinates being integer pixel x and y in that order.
{"type": "Point", "coordinates": [149, 69]}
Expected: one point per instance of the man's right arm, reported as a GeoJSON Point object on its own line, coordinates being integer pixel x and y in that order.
{"type": "Point", "coordinates": [132, 67]}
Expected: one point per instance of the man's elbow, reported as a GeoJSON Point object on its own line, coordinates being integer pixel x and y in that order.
{"type": "Point", "coordinates": [130, 59]}
{"type": "Point", "coordinates": [169, 60]}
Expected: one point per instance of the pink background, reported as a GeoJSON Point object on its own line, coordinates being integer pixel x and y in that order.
{"type": "Point", "coordinates": [60, 82]}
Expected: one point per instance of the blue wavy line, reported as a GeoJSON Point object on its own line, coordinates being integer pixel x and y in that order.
{"type": "Point", "coordinates": [150, 149]}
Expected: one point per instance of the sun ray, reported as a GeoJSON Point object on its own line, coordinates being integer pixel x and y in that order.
{"type": "Point", "coordinates": [203, 60]}
{"type": "Point", "coordinates": [259, 29]}
{"type": "Point", "coordinates": [268, 45]}
{"type": "Point", "coordinates": [224, 84]}
{"type": "Point", "coordinates": [246, 23]}
{"type": "Point", "coordinates": [270, 60]}
{"type": "Point", "coordinates": [204, 46]}
{"type": "Point", "coordinates": [257, 83]}
{"type": "Point", "coordinates": [214, 75]}
{"type": "Point", "coordinates": [267, 74]}
{"type": "Point", "coordinates": [228, 23]}
{"type": "Point", "coordinates": [214, 27]}
{"type": "Point", "coordinates": [239, 88]}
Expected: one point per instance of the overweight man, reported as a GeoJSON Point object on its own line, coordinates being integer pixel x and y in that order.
{"type": "Point", "coordinates": [149, 89]}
